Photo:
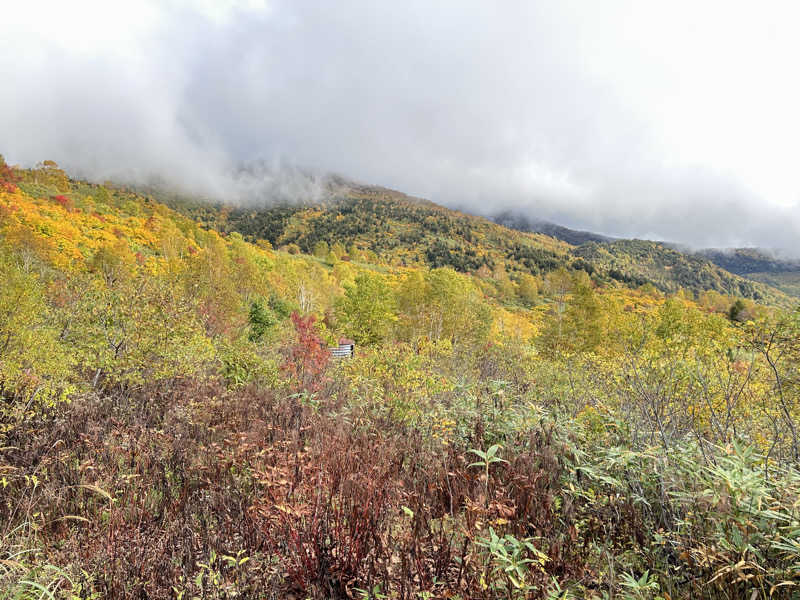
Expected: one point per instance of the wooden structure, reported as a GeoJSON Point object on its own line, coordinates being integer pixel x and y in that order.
{"type": "Point", "coordinates": [345, 349]}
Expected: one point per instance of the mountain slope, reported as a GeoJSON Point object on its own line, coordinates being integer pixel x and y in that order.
{"type": "Point", "coordinates": [163, 381]}
{"type": "Point", "coordinates": [400, 229]}
{"type": "Point", "coordinates": [642, 261]}
{"type": "Point", "coordinates": [404, 230]}
{"type": "Point", "coordinates": [759, 265]}
{"type": "Point", "coordinates": [520, 222]}
{"type": "Point", "coordinates": [752, 264]}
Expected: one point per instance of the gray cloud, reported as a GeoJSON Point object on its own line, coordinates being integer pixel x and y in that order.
{"type": "Point", "coordinates": [627, 119]}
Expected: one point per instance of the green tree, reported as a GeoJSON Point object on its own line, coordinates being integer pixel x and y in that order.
{"type": "Point", "coordinates": [101, 195]}
{"type": "Point", "coordinates": [737, 311]}
{"type": "Point", "coordinates": [576, 320]}
{"type": "Point", "coordinates": [777, 341]}
{"type": "Point", "coordinates": [280, 307]}
{"type": "Point", "coordinates": [353, 252]}
{"type": "Point", "coordinates": [113, 262]}
{"type": "Point", "coordinates": [338, 250]}
{"type": "Point", "coordinates": [136, 331]}
{"type": "Point", "coordinates": [506, 289]}
{"type": "Point", "coordinates": [462, 313]}
{"type": "Point", "coordinates": [261, 320]}
{"type": "Point", "coordinates": [321, 249]}
{"type": "Point", "coordinates": [558, 285]}
{"type": "Point", "coordinates": [584, 326]}
{"type": "Point", "coordinates": [528, 288]}
{"type": "Point", "coordinates": [443, 304]}
{"type": "Point", "coordinates": [367, 309]}
{"type": "Point", "coordinates": [33, 361]}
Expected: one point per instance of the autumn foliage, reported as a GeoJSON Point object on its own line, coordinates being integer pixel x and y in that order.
{"type": "Point", "coordinates": [308, 356]}
{"type": "Point", "coordinates": [8, 178]}
{"type": "Point", "coordinates": [172, 424]}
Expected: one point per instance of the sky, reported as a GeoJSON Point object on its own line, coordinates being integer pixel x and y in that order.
{"type": "Point", "coordinates": [673, 120]}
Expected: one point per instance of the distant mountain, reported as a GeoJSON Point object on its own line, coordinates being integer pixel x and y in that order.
{"type": "Point", "coordinates": [668, 268]}
{"type": "Point", "coordinates": [745, 261]}
{"type": "Point", "coordinates": [759, 265]}
{"type": "Point", "coordinates": [518, 221]}
{"type": "Point", "coordinates": [662, 263]}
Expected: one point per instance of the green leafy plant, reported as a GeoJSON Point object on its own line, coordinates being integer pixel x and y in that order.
{"type": "Point", "coordinates": [642, 588]}
{"type": "Point", "coordinates": [508, 561]}
{"type": "Point", "coordinates": [487, 459]}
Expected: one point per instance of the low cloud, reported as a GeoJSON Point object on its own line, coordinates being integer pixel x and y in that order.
{"type": "Point", "coordinates": [676, 122]}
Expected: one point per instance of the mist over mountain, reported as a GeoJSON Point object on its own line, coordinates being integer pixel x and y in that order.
{"type": "Point", "coordinates": [587, 116]}
{"type": "Point", "coordinates": [522, 223]}
{"type": "Point", "coordinates": [455, 299]}
{"type": "Point", "coordinates": [757, 264]}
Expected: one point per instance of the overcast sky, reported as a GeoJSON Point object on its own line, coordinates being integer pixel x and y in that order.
{"type": "Point", "coordinates": [668, 120]}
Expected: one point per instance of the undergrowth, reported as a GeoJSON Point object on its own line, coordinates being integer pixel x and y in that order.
{"type": "Point", "coordinates": [191, 490]}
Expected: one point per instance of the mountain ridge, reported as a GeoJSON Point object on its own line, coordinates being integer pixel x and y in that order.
{"type": "Point", "coordinates": [753, 264]}
{"type": "Point", "coordinates": [406, 230]}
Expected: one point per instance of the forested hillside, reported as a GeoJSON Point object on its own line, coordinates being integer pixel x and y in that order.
{"type": "Point", "coordinates": [780, 273]}
{"type": "Point", "coordinates": [641, 261]}
{"type": "Point", "coordinates": [389, 225]}
{"type": "Point", "coordinates": [407, 231]}
{"type": "Point", "coordinates": [520, 222]}
{"type": "Point", "coordinates": [522, 418]}
{"type": "Point", "coordinates": [668, 266]}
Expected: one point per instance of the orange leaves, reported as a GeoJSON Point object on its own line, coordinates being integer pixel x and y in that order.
{"type": "Point", "coordinates": [8, 178]}
{"type": "Point", "coordinates": [308, 357]}
{"type": "Point", "coordinates": [64, 202]}
{"type": "Point", "coordinates": [65, 234]}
